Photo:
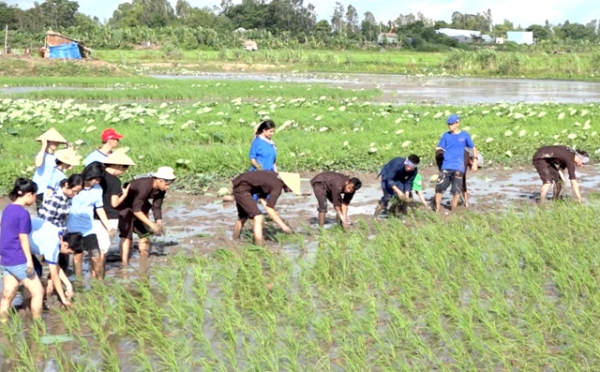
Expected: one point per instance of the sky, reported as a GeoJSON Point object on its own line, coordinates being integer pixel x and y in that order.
{"type": "Point", "coordinates": [520, 12]}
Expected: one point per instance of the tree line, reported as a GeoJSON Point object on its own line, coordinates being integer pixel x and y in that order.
{"type": "Point", "coordinates": [285, 22]}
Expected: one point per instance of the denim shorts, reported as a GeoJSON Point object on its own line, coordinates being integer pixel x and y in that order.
{"type": "Point", "coordinates": [18, 271]}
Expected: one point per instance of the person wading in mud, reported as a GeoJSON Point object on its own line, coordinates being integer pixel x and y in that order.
{"type": "Point", "coordinates": [468, 161]}
{"type": "Point", "coordinates": [112, 196]}
{"type": "Point", "coordinates": [110, 141]}
{"type": "Point", "coordinates": [134, 211]}
{"type": "Point", "coordinates": [453, 144]}
{"type": "Point", "coordinates": [330, 186]}
{"type": "Point", "coordinates": [397, 178]}
{"type": "Point", "coordinates": [549, 161]}
{"type": "Point", "coordinates": [45, 161]}
{"type": "Point", "coordinates": [263, 183]}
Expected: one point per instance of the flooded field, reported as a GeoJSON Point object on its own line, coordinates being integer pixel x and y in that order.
{"type": "Point", "coordinates": [434, 90]}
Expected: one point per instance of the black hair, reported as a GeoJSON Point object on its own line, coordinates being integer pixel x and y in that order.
{"type": "Point", "coordinates": [58, 162]}
{"type": "Point", "coordinates": [93, 170]}
{"type": "Point", "coordinates": [73, 181]}
{"type": "Point", "coordinates": [356, 183]}
{"type": "Point", "coordinates": [583, 153]}
{"type": "Point", "coordinates": [75, 241]}
{"type": "Point", "coordinates": [21, 187]}
{"type": "Point", "coordinates": [264, 125]}
{"type": "Point", "coordinates": [414, 159]}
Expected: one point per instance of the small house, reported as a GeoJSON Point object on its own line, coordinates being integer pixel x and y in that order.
{"type": "Point", "coordinates": [462, 36]}
{"type": "Point", "coordinates": [520, 37]}
{"type": "Point", "coordinates": [60, 46]}
{"type": "Point", "coordinates": [387, 38]}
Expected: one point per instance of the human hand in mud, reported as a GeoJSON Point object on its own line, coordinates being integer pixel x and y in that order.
{"type": "Point", "coordinates": [112, 233]}
{"type": "Point", "coordinates": [69, 293]}
{"type": "Point", "coordinates": [158, 229]}
{"type": "Point", "coordinates": [67, 303]}
{"type": "Point", "coordinates": [287, 230]}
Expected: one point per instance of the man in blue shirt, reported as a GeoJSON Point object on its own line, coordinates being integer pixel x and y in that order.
{"type": "Point", "coordinates": [397, 178]}
{"type": "Point", "coordinates": [453, 144]}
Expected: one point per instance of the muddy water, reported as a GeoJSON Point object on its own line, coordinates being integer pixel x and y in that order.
{"type": "Point", "coordinates": [433, 90]}
{"type": "Point", "coordinates": [204, 223]}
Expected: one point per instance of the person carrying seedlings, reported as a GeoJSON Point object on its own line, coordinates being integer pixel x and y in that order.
{"type": "Point", "coordinates": [15, 251]}
{"type": "Point", "coordinates": [110, 141]}
{"type": "Point", "coordinates": [116, 164]}
{"type": "Point", "coordinates": [468, 161]}
{"type": "Point", "coordinates": [66, 159]}
{"type": "Point", "coordinates": [397, 178]}
{"type": "Point", "coordinates": [330, 186]}
{"type": "Point", "coordinates": [264, 184]}
{"type": "Point", "coordinates": [56, 209]}
{"type": "Point", "coordinates": [81, 218]}
{"type": "Point", "coordinates": [49, 241]}
{"type": "Point", "coordinates": [263, 153]}
{"type": "Point", "coordinates": [134, 211]}
{"type": "Point", "coordinates": [453, 144]}
{"type": "Point", "coordinates": [45, 162]}
{"type": "Point", "coordinates": [549, 161]}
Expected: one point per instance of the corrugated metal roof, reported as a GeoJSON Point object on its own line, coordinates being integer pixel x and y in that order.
{"type": "Point", "coordinates": [457, 32]}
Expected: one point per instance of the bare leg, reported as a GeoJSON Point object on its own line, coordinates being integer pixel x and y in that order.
{"type": "Point", "coordinates": [321, 219]}
{"type": "Point", "coordinates": [11, 285]}
{"type": "Point", "coordinates": [466, 198]}
{"type": "Point", "coordinates": [97, 268]}
{"type": "Point", "coordinates": [454, 202]}
{"type": "Point", "coordinates": [125, 248]}
{"type": "Point", "coordinates": [438, 201]}
{"type": "Point", "coordinates": [237, 230]}
{"type": "Point", "coordinates": [78, 263]}
{"type": "Point", "coordinates": [34, 286]}
{"type": "Point", "coordinates": [258, 229]}
{"type": "Point", "coordinates": [144, 245]}
{"type": "Point", "coordinates": [557, 190]}
{"type": "Point", "coordinates": [544, 192]}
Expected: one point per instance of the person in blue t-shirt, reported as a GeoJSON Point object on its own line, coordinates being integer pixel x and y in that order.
{"type": "Point", "coordinates": [263, 153]}
{"type": "Point", "coordinates": [453, 144]}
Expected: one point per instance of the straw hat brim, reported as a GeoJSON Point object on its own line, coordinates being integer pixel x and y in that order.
{"type": "Point", "coordinates": [165, 173]}
{"type": "Point", "coordinates": [292, 181]}
{"type": "Point", "coordinates": [118, 158]}
{"type": "Point", "coordinates": [68, 156]}
{"type": "Point", "coordinates": [52, 135]}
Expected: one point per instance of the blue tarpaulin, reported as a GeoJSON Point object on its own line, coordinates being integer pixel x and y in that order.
{"type": "Point", "coordinates": [68, 51]}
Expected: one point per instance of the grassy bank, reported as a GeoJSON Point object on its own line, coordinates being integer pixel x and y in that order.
{"type": "Point", "coordinates": [35, 66]}
{"type": "Point", "coordinates": [318, 128]}
{"type": "Point", "coordinates": [483, 63]}
{"type": "Point", "coordinates": [504, 291]}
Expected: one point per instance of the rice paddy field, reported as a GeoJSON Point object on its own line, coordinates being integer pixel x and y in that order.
{"type": "Point", "coordinates": [509, 287]}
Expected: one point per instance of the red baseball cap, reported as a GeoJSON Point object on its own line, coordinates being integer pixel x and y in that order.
{"type": "Point", "coordinates": [109, 134]}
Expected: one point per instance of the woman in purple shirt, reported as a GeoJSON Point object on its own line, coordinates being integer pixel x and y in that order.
{"type": "Point", "coordinates": [15, 251]}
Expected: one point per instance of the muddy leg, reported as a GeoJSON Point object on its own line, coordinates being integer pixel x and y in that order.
{"type": "Point", "coordinates": [438, 201]}
{"type": "Point", "coordinates": [258, 229]}
{"type": "Point", "coordinates": [466, 198]}
{"type": "Point", "coordinates": [97, 268]}
{"type": "Point", "coordinates": [144, 245]}
{"type": "Point", "coordinates": [78, 263]}
{"type": "Point", "coordinates": [557, 190]}
{"type": "Point", "coordinates": [378, 210]}
{"type": "Point", "coordinates": [125, 248]}
{"type": "Point", "coordinates": [544, 192]}
{"type": "Point", "coordinates": [35, 288]}
{"type": "Point", "coordinates": [237, 230]}
{"type": "Point", "coordinates": [454, 202]}
{"type": "Point", "coordinates": [11, 286]}
{"type": "Point", "coordinates": [321, 219]}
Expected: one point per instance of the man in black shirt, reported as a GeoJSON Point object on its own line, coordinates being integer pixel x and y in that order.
{"type": "Point", "coordinates": [112, 195]}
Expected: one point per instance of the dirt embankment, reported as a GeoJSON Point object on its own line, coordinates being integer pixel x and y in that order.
{"type": "Point", "coordinates": [34, 66]}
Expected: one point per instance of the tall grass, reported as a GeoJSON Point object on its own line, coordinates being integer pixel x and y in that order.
{"type": "Point", "coordinates": [508, 290]}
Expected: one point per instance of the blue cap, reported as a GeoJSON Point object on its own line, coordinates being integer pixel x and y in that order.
{"type": "Point", "coordinates": [453, 119]}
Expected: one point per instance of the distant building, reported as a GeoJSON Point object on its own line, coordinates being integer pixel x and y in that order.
{"type": "Point", "coordinates": [499, 40]}
{"type": "Point", "coordinates": [462, 36]}
{"type": "Point", "coordinates": [520, 37]}
{"type": "Point", "coordinates": [387, 38]}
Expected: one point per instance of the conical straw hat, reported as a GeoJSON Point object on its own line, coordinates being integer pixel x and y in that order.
{"type": "Point", "coordinates": [68, 156]}
{"type": "Point", "coordinates": [118, 157]}
{"type": "Point", "coordinates": [292, 181]}
{"type": "Point", "coordinates": [52, 135]}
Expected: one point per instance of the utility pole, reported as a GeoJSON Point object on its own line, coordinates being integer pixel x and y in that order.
{"type": "Point", "coordinates": [6, 40]}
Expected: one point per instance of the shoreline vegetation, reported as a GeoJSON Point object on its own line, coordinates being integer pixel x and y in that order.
{"type": "Point", "coordinates": [485, 63]}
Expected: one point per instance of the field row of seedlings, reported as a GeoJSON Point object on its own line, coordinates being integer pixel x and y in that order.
{"type": "Point", "coordinates": [516, 290]}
